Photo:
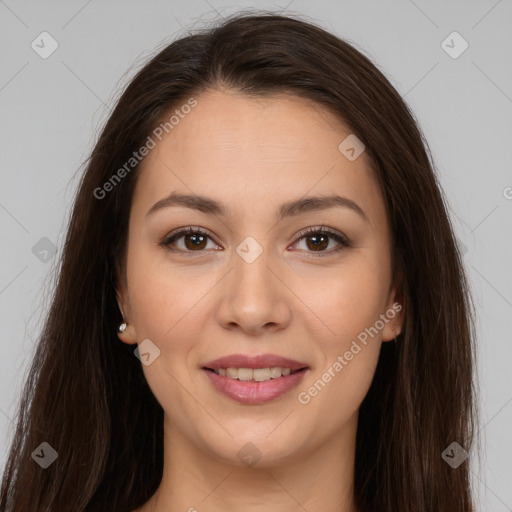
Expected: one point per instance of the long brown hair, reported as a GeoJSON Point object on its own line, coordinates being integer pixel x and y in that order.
{"type": "Point", "coordinates": [86, 394]}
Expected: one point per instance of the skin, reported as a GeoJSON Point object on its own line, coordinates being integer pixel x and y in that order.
{"type": "Point", "coordinates": [252, 155]}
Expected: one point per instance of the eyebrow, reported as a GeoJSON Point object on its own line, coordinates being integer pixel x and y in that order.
{"type": "Point", "coordinates": [289, 209]}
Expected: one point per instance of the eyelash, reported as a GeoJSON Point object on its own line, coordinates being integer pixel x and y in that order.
{"type": "Point", "coordinates": [323, 230]}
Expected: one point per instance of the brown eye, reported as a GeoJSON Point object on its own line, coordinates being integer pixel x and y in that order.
{"type": "Point", "coordinates": [318, 240]}
{"type": "Point", "coordinates": [194, 240]}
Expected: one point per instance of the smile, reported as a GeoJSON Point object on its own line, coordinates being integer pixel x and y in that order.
{"type": "Point", "coordinates": [254, 379]}
{"type": "Point", "coordinates": [255, 375]}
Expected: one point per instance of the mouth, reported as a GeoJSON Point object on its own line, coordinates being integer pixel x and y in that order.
{"type": "Point", "coordinates": [254, 380]}
{"type": "Point", "coordinates": [255, 374]}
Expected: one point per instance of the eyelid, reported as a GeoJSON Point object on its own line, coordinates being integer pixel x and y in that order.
{"type": "Point", "coordinates": [323, 229]}
{"type": "Point", "coordinates": [342, 240]}
{"type": "Point", "coordinates": [188, 230]}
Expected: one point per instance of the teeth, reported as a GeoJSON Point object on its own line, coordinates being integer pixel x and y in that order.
{"type": "Point", "coordinates": [244, 373]}
{"type": "Point", "coordinates": [261, 374]}
{"type": "Point", "coordinates": [258, 374]}
{"type": "Point", "coordinates": [232, 373]}
{"type": "Point", "coordinates": [275, 372]}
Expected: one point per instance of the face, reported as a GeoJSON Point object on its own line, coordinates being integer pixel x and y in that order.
{"type": "Point", "coordinates": [265, 276]}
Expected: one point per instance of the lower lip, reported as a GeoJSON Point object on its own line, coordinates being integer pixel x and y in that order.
{"type": "Point", "coordinates": [255, 393]}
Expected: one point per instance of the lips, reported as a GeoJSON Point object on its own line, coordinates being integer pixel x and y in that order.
{"type": "Point", "coordinates": [256, 361]}
{"type": "Point", "coordinates": [254, 391]}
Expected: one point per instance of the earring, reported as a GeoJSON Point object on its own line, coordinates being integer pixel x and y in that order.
{"type": "Point", "coordinates": [394, 341]}
{"type": "Point", "coordinates": [122, 327]}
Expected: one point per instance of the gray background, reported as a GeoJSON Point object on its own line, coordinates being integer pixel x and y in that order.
{"type": "Point", "coordinates": [53, 108]}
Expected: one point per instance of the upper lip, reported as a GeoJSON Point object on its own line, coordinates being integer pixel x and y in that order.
{"type": "Point", "coordinates": [255, 361]}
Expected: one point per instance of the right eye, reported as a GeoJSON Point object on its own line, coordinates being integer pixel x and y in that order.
{"type": "Point", "coordinates": [194, 240]}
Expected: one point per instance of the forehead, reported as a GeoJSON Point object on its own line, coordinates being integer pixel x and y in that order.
{"type": "Point", "coordinates": [256, 153]}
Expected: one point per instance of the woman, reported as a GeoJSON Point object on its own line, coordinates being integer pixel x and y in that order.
{"type": "Point", "coordinates": [261, 304]}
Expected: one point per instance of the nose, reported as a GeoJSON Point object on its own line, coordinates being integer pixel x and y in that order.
{"type": "Point", "coordinates": [254, 298]}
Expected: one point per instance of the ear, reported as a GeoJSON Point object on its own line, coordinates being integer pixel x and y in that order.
{"type": "Point", "coordinates": [395, 313]}
{"type": "Point", "coordinates": [129, 335]}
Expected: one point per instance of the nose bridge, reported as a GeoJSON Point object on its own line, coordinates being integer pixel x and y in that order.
{"type": "Point", "coordinates": [253, 297]}
{"type": "Point", "coordinates": [251, 272]}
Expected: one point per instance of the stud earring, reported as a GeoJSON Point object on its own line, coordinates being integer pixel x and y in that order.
{"type": "Point", "coordinates": [122, 327]}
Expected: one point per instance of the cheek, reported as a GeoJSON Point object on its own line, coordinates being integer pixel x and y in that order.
{"type": "Point", "coordinates": [163, 295]}
{"type": "Point", "coordinates": [348, 358]}
{"type": "Point", "coordinates": [334, 396]}
{"type": "Point", "coordinates": [351, 305]}
{"type": "Point", "coordinates": [347, 300]}
{"type": "Point", "coordinates": [165, 302]}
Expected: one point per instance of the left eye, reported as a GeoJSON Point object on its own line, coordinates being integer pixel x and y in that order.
{"type": "Point", "coordinates": [317, 240]}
